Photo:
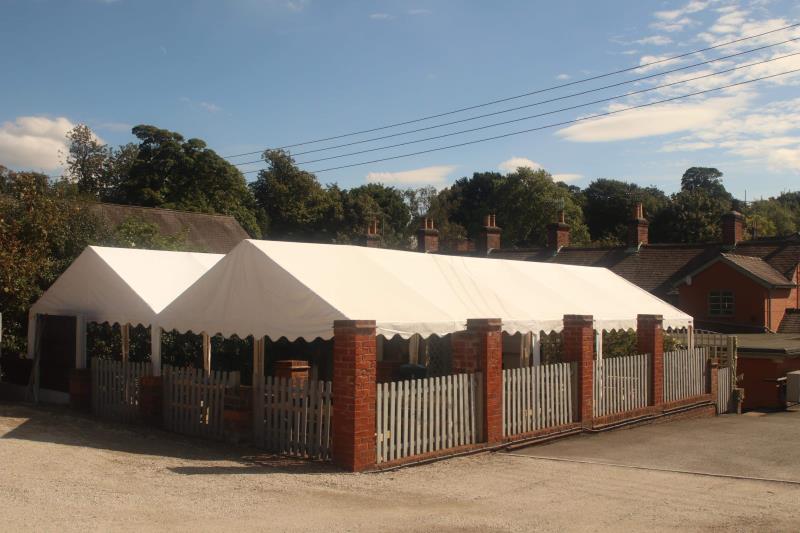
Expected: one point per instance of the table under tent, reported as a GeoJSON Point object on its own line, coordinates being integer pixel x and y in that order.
{"type": "Point", "coordinates": [287, 296]}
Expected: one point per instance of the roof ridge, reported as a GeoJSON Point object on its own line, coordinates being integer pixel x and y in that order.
{"type": "Point", "coordinates": [181, 211]}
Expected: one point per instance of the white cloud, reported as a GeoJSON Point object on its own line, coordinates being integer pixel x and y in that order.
{"type": "Point", "coordinates": [563, 77]}
{"type": "Point", "coordinates": [35, 143]}
{"type": "Point", "coordinates": [296, 5]}
{"type": "Point", "coordinates": [414, 12]}
{"type": "Point", "coordinates": [434, 175]}
{"type": "Point", "coordinates": [211, 108]}
{"type": "Point", "coordinates": [380, 16]}
{"type": "Point", "coordinates": [511, 165]}
{"type": "Point", "coordinates": [566, 178]}
{"type": "Point", "coordinates": [649, 121]}
{"type": "Point", "coordinates": [656, 40]}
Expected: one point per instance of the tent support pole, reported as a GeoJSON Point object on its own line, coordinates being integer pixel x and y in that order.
{"type": "Point", "coordinates": [536, 351]}
{"type": "Point", "coordinates": [155, 349]}
{"type": "Point", "coordinates": [80, 341]}
{"type": "Point", "coordinates": [206, 353]}
{"type": "Point", "coordinates": [125, 334]}
{"type": "Point", "coordinates": [258, 389]}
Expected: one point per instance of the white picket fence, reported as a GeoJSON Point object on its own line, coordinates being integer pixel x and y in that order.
{"type": "Point", "coordinates": [427, 415]}
{"type": "Point", "coordinates": [684, 374]}
{"type": "Point", "coordinates": [295, 417]}
{"type": "Point", "coordinates": [724, 390]}
{"type": "Point", "coordinates": [115, 388]}
{"type": "Point", "coordinates": [621, 384]}
{"type": "Point", "coordinates": [194, 401]}
{"type": "Point", "coordinates": [538, 397]}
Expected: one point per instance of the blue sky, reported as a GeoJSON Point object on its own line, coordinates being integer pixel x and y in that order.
{"type": "Point", "coordinates": [248, 74]}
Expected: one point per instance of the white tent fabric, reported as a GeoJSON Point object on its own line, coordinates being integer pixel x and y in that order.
{"type": "Point", "coordinates": [297, 290]}
{"type": "Point", "coordinates": [121, 285]}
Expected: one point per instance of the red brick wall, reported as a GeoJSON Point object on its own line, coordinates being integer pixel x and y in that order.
{"type": "Point", "coordinates": [577, 340]}
{"type": "Point", "coordinates": [650, 340]}
{"type": "Point", "coordinates": [750, 297]}
{"type": "Point", "coordinates": [354, 393]}
{"type": "Point", "coordinates": [780, 300]}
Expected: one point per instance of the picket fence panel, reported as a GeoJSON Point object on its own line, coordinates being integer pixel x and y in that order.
{"type": "Point", "coordinates": [538, 397]}
{"type": "Point", "coordinates": [426, 415]}
{"type": "Point", "coordinates": [621, 384]}
{"type": "Point", "coordinates": [684, 374]}
{"type": "Point", "coordinates": [194, 401]}
{"type": "Point", "coordinates": [724, 390]}
{"type": "Point", "coordinates": [115, 388]}
{"type": "Point", "coordinates": [296, 417]}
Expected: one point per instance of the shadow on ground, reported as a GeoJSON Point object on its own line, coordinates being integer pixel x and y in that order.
{"type": "Point", "coordinates": [60, 425]}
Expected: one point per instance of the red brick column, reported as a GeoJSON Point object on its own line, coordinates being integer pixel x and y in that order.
{"type": "Point", "coordinates": [354, 392]}
{"type": "Point", "coordinates": [578, 345]}
{"type": "Point", "coordinates": [488, 339]}
{"type": "Point", "coordinates": [650, 339]}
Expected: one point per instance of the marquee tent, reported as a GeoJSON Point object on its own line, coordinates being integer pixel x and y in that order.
{"type": "Point", "coordinates": [297, 290]}
{"type": "Point", "coordinates": [120, 285]}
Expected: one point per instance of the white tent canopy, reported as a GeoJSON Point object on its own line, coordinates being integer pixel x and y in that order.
{"type": "Point", "coordinates": [297, 290]}
{"type": "Point", "coordinates": [120, 285]}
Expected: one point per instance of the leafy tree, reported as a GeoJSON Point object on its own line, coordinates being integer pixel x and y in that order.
{"type": "Point", "coordinates": [166, 170]}
{"type": "Point", "coordinates": [297, 207]}
{"type": "Point", "coordinates": [42, 230]}
{"type": "Point", "coordinates": [769, 218]}
{"type": "Point", "coordinates": [705, 179]}
{"type": "Point", "coordinates": [375, 201]}
{"type": "Point", "coordinates": [525, 202]}
{"type": "Point", "coordinates": [608, 207]}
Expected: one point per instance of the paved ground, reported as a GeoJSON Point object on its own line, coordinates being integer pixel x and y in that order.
{"type": "Point", "coordinates": [62, 472]}
{"type": "Point", "coordinates": [752, 445]}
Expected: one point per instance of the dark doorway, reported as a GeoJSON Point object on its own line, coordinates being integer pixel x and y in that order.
{"type": "Point", "coordinates": [57, 352]}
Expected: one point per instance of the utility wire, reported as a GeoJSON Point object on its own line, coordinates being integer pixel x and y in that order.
{"type": "Point", "coordinates": [546, 113]}
{"type": "Point", "coordinates": [534, 104]}
{"type": "Point", "coordinates": [554, 125]}
{"type": "Point", "coordinates": [552, 88]}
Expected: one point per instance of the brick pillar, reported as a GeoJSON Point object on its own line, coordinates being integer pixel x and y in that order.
{"type": "Point", "coordinates": [578, 345]}
{"type": "Point", "coordinates": [650, 339]}
{"type": "Point", "coordinates": [480, 349]}
{"type": "Point", "coordinates": [354, 393]}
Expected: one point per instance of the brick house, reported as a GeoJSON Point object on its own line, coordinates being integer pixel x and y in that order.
{"type": "Point", "coordinates": [735, 285]}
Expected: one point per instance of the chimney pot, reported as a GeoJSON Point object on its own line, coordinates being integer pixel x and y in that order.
{"type": "Point", "coordinates": [372, 239]}
{"type": "Point", "coordinates": [732, 228]}
{"type": "Point", "coordinates": [638, 232]}
{"type": "Point", "coordinates": [558, 233]}
{"type": "Point", "coordinates": [427, 237]}
{"type": "Point", "coordinates": [490, 235]}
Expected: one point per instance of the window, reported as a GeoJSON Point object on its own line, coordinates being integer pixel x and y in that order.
{"type": "Point", "coordinates": [720, 303]}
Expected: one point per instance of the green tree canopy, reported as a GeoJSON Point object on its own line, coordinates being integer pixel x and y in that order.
{"type": "Point", "coordinates": [608, 207]}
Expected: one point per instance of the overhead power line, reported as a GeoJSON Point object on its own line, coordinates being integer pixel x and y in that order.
{"type": "Point", "coordinates": [554, 125]}
{"type": "Point", "coordinates": [538, 91]}
{"type": "Point", "coordinates": [534, 104]}
{"type": "Point", "coordinates": [546, 113]}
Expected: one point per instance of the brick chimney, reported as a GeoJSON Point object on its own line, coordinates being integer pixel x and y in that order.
{"type": "Point", "coordinates": [637, 227]}
{"type": "Point", "coordinates": [558, 233]}
{"type": "Point", "coordinates": [372, 239]}
{"type": "Point", "coordinates": [489, 238]}
{"type": "Point", "coordinates": [732, 228]}
{"type": "Point", "coordinates": [427, 237]}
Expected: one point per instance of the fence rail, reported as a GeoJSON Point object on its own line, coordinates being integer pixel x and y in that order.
{"type": "Point", "coordinates": [296, 417]}
{"type": "Point", "coordinates": [115, 388]}
{"type": "Point", "coordinates": [621, 384]}
{"type": "Point", "coordinates": [537, 397]}
{"type": "Point", "coordinates": [194, 401]}
{"type": "Point", "coordinates": [684, 373]}
{"type": "Point", "coordinates": [427, 415]}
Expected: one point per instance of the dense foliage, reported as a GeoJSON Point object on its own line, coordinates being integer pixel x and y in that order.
{"type": "Point", "coordinates": [46, 223]}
